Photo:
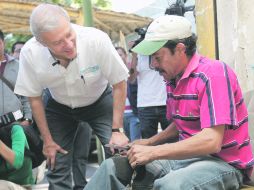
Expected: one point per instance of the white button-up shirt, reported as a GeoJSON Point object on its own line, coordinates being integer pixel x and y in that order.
{"type": "Point", "coordinates": [97, 62]}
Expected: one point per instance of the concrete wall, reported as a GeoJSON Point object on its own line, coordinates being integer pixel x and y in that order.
{"type": "Point", "coordinates": [205, 27]}
{"type": "Point", "coordinates": [236, 38]}
{"type": "Point", "coordinates": [235, 26]}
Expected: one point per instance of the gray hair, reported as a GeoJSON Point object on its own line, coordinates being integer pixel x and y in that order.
{"type": "Point", "coordinates": [45, 17]}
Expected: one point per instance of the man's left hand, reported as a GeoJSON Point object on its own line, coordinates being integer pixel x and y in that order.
{"type": "Point", "coordinates": [140, 155]}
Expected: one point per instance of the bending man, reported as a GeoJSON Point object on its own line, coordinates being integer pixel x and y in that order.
{"type": "Point", "coordinates": [76, 64]}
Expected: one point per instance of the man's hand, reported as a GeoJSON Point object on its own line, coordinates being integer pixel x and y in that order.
{"type": "Point", "coordinates": [50, 150]}
{"type": "Point", "coordinates": [140, 155]}
{"type": "Point", "coordinates": [25, 123]}
{"type": "Point", "coordinates": [118, 138]}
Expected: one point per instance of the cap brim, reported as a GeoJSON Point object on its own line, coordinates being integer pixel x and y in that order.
{"type": "Point", "coordinates": [148, 47]}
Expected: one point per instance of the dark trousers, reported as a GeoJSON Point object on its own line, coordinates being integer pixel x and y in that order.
{"type": "Point", "coordinates": [81, 148]}
{"type": "Point", "coordinates": [150, 117]}
{"type": "Point", "coordinates": [63, 124]}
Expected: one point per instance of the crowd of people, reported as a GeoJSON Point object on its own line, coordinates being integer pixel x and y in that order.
{"type": "Point", "coordinates": [69, 80]}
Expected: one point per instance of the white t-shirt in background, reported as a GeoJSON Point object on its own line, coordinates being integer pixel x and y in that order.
{"type": "Point", "coordinates": [151, 85]}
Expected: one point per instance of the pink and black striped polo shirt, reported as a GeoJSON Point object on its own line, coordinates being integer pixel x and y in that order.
{"type": "Point", "coordinates": [208, 94]}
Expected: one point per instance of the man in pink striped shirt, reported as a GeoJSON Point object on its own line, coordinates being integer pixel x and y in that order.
{"type": "Point", "coordinates": [209, 116]}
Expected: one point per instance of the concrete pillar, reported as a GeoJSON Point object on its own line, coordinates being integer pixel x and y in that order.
{"type": "Point", "coordinates": [235, 31]}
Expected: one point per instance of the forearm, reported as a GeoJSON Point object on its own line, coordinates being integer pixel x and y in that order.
{"type": "Point", "coordinates": [164, 136]}
{"type": "Point", "coordinates": [40, 118]}
{"type": "Point", "coordinates": [7, 153]}
{"type": "Point", "coordinates": [208, 141]}
{"type": "Point", "coordinates": [119, 97]}
{"type": "Point", "coordinates": [14, 155]}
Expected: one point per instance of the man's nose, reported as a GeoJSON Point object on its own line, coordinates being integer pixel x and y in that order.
{"type": "Point", "coordinates": [154, 63]}
{"type": "Point", "coordinates": [68, 43]}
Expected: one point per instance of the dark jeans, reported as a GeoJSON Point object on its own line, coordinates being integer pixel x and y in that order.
{"type": "Point", "coordinates": [63, 124]}
{"type": "Point", "coordinates": [150, 117]}
{"type": "Point", "coordinates": [81, 148]}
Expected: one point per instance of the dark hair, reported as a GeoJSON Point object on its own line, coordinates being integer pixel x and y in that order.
{"type": "Point", "coordinates": [123, 50]}
{"type": "Point", "coordinates": [1, 35]}
{"type": "Point", "coordinates": [190, 44]}
{"type": "Point", "coordinates": [13, 45]}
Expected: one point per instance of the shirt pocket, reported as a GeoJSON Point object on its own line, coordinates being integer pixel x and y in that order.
{"type": "Point", "coordinates": [91, 78]}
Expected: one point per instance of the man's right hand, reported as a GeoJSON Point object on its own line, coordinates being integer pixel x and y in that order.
{"type": "Point", "coordinates": [50, 150]}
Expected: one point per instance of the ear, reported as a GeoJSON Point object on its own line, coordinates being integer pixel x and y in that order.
{"type": "Point", "coordinates": [41, 41]}
{"type": "Point", "coordinates": [180, 47]}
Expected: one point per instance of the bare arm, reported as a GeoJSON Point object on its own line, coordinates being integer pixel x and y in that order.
{"type": "Point", "coordinates": [119, 97]}
{"type": "Point", "coordinates": [169, 133]}
{"type": "Point", "coordinates": [14, 155]}
{"type": "Point", "coordinates": [208, 141]}
{"type": "Point", "coordinates": [7, 153]}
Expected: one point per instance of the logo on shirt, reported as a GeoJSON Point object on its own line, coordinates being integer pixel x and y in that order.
{"type": "Point", "coordinates": [89, 71]}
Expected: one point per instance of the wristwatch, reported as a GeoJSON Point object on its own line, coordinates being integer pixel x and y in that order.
{"type": "Point", "coordinates": [116, 130]}
{"type": "Point", "coordinates": [29, 120]}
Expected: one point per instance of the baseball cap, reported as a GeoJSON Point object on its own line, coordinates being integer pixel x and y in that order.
{"type": "Point", "coordinates": [162, 29]}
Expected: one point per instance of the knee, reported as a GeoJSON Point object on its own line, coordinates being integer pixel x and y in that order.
{"type": "Point", "coordinates": [107, 166]}
{"type": "Point", "coordinates": [165, 184]}
{"type": "Point", "coordinates": [159, 184]}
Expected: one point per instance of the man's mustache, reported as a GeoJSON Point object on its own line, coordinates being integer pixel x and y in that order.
{"type": "Point", "coordinates": [159, 70]}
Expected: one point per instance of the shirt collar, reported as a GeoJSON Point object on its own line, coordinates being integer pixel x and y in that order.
{"type": "Point", "coordinates": [193, 64]}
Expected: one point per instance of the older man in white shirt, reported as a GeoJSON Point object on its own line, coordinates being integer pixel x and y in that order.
{"type": "Point", "coordinates": [76, 64]}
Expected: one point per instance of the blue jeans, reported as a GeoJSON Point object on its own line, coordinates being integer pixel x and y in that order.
{"type": "Point", "coordinates": [150, 117]}
{"type": "Point", "coordinates": [131, 126]}
{"type": "Point", "coordinates": [201, 173]}
{"type": "Point", "coordinates": [63, 125]}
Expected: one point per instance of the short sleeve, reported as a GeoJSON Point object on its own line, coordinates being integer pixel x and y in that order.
{"type": "Point", "coordinates": [27, 83]}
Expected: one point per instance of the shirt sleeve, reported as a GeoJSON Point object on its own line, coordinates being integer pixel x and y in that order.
{"type": "Point", "coordinates": [27, 83]}
{"type": "Point", "coordinates": [19, 143]}
{"type": "Point", "coordinates": [217, 103]}
{"type": "Point", "coordinates": [112, 66]}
